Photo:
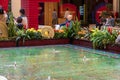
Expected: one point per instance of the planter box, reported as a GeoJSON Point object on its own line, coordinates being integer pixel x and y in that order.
{"type": "Point", "coordinates": [85, 43]}
{"type": "Point", "coordinates": [44, 42]}
{"type": "Point", "coordinates": [5, 44]}
{"type": "Point", "coordinates": [113, 48]}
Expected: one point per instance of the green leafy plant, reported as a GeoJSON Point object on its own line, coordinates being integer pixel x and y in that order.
{"type": "Point", "coordinates": [73, 32]}
{"type": "Point", "coordinates": [87, 35]}
{"type": "Point", "coordinates": [11, 26]}
{"type": "Point", "coordinates": [101, 38]}
{"type": "Point", "coordinates": [61, 33]}
{"type": "Point", "coordinates": [21, 34]}
{"type": "Point", "coordinates": [33, 34]}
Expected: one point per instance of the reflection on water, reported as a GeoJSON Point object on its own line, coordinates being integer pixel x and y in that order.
{"type": "Point", "coordinates": [58, 63]}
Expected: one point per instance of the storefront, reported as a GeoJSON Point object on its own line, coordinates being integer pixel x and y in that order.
{"type": "Point", "coordinates": [39, 11]}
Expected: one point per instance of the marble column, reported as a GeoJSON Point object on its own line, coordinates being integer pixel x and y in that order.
{"type": "Point", "coordinates": [16, 6]}
{"type": "Point", "coordinates": [116, 5]}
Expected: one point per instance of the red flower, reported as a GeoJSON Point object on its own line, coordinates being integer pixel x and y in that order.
{"type": "Point", "coordinates": [56, 30]}
{"type": "Point", "coordinates": [109, 30]}
{"type": "Point", "coordinates": [67, 24]}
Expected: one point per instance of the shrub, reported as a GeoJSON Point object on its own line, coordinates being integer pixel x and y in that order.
{"type": "Point", "coordinates": [101, 38]}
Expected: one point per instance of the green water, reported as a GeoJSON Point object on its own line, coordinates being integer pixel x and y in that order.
{"type": "Point", "coordinates": [63, 62]}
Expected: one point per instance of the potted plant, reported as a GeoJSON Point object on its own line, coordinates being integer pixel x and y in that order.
{"type": "Point", "coordinates": [101, 38]}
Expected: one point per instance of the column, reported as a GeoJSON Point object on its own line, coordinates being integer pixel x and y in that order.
{"type": "Point", "coordinates": [15, 5]}
{"type": "Point", "coordinates": [116, 7]}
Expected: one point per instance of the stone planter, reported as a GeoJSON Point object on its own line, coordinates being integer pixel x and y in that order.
{"type": "Point", "coordinates": [6, 44]}
{"type": "Point", "coordinates": [44, 42]}
{"type": "Point", "coordinates": [113, 48]}
{"type": "Point", "coordinates": [81, 42]}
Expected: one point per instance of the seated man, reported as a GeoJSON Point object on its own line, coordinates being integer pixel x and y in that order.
{"type": "Point", "coordinates": [68, 22]}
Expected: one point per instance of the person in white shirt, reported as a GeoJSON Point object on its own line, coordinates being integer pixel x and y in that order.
{"type": "Point", "coordinates": [67, 12]}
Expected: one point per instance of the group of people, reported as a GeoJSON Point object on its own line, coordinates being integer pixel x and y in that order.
{"type": "Point", "coordinates": [107, 21]}
{"type": "Point", "coordinates": [21, 21]}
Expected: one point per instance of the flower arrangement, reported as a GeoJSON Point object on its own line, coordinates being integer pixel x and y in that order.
{"type": "Point", "coordinates": [11, 26]}
{"type": "Point", "coordinates": [82, 33]}
{"type": "Point", "coordinates": [60, 34]}
{"type": "Point", "coordinates": [76, 27]}
{"type": "Point", "coordinates": [101, 38]}
{"type": "Point", "coordinates": [34, 34]}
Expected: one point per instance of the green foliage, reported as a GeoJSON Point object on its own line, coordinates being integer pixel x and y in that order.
{"type": "Point", "coordinates": [28, 34]}
{"type": "Point", "coordinates": [59, 35]}
{"type": "Point", "coordinates": [63, 33]}
{"type": "Point", "coordinates": [11, 26]}
{"type": "Point", "coordinates": [101, 38]}
{"type": "Point", "coordinates": [86, 36]}
{"type": "Point", "coordinates": [73, 32]}
{"type": "Point", "coordinates": [34, 35]}
{"type": "Point", "coordinates": [21, 34]}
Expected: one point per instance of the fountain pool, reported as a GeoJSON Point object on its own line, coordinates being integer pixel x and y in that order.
{"type": "Point", "coordinates": [58, 62]}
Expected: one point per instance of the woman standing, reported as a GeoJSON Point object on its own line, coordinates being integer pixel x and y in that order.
{"type": "Point", "coordinates": [24, 18]}
{"type": "Point", "coordinates": [3, 26]}
{"type": "Point", "coordinates": [54, 17]}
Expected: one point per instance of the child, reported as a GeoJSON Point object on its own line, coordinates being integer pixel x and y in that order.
{"type": "Point", "coordinates": [19, 23]}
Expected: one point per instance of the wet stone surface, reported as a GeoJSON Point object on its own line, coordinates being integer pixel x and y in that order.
{"type": "Point", "coordinates": [58, 62]}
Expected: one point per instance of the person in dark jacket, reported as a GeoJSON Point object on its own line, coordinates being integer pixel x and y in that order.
{"type": "Point", "coordinates": [19, 23]}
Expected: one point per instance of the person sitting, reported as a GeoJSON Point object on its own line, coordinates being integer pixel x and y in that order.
{"type": "Point", "coordinates": [112, 20]}
{"type": "Point", "coordinates": [19, 23]}
{"type": "Point", "coordinates": [68, 22]}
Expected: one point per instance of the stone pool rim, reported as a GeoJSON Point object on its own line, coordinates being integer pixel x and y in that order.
{"type": "Point", "coordinates": [80, 42]}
